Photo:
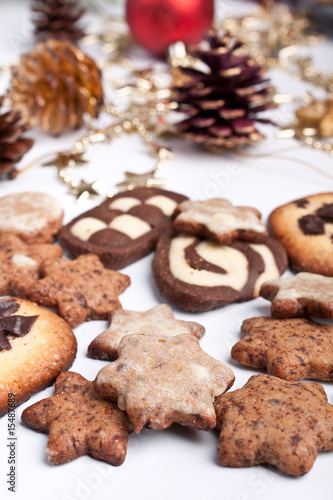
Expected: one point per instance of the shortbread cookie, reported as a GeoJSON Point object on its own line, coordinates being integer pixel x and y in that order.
{"type": "Point", "coordinates": [34, 217]}
{"type": "Point", "coordinates": [20, 263]}
{"type": "Point", "coordinates": [80, 290]}
{"type": "Point", "coordinates": [290, 348]}
{"type": "Point", "coordinates": [124, 228]}
{"type": "Point", "coordinates": [35, 346]}
{"type": "Point", "coordinates": [305, 294]}
{"type": "Point", "coordinates": [199, 275]}
{"type": "Point", "coordinates": [220, 221]}
{"type": "Point", "coordinates": [161, 380]}
{"type": "Point", "coordinates": [271, 421]}
{"type": "Point", "coordinates": [158, 321]}
{"type": "Point", "coordinates": [305, 227]}
{"type": "Point", "coordinates": [79, 422]}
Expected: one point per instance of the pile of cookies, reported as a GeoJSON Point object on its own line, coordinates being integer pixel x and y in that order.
{"type": "Point", "coordinates": [207, 255]}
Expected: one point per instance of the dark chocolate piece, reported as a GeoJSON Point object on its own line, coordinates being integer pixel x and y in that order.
{"type": "Point", "coordinates": [8, 307]}
{"type": "Point", "coordinates": [4, 344]}
{"type": "Point", "coordinates": [17, 325]}
{"type": "Point", "coordinates": [326, 212]}
{"type": "Point", "coordinates": [312, 225]}
{"type": "Point", "coordinates": [301, 203]}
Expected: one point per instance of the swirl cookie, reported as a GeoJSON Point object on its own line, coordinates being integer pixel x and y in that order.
{"type": "Point", "coordinates": [305, 228]}
{"type": "Point", "coordinates": [35, 346]}
{"type": "Point", "coordinates": [34, 217]}
{"type": "Point", "coordinates": [199, 275]}
{"type": "Point", "coordinates": [124, 228]}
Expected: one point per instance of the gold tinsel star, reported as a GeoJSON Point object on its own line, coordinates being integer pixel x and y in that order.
{"type": "Point", "coordinates": [83, 190]}
{"type": "Point", "coordinates": [139, 180]}
{"type": "Point", "coordinates": [66, 159]}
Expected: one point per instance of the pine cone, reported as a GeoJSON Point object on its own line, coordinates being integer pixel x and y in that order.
{"type": "Point", "coordinates": [12, 145]}
{"type": "Point", "coordinates": [55, 85]}
{"type": "Point", "coordinates": [222, 102]}
{"type": "Point", "coordinates": [57, 19]}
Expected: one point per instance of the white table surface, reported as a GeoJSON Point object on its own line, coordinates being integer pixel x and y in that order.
{"type": "Point", "coordinates": [177, 463]}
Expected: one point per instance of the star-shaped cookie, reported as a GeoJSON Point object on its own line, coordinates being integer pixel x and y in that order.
{"type": "Point", "coordinates": [290, 348]}
{"type": "Point", "coordinates": [81, 289]}
{"type": "Point", "coordinates": [20, 263]}
{"type": "Point", "coordinates": [161, 380]}
{"type": "Point", "coordinates": [305, 294]}
{"type": "Point", "coordinates": [220, 220]}
{"type": "Point", "coordinates": [79, 422]}
{"type": "Point", "coordinates": [159, 320]}
{"type": "Point", "coordinates": [271, 421]}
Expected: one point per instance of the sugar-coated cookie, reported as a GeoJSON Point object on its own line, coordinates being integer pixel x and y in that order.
{"type": "Point", "coordinates": [123, 228]}
{"type": "Point", "coordinates": [271, 421]}
{"type": "Point", "coordinates": [305, 228]}
{"type": "Point", "coordinates": [35, 217]}
{"type": "Point", "coordinates": [199, 275]}
{"type": "Point", "coordinates": [35, 346]}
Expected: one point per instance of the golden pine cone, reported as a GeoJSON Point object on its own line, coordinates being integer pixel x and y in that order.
{"type": "Point", "coordinates": [55, 85]}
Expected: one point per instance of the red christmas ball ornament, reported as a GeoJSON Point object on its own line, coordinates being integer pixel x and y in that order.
{"type": "Point", "coordinates": [155, 24]}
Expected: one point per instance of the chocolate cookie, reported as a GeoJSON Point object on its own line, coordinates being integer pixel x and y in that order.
{"type": "Point", "coordinates": [305, 228]}
{"type": "Point", "coordinates": [35, 346]}
{"type": "Point", "coordinates": [198, 275]}
{"type": "Point", "coordinates": [34, 217]}
{"type": "Point", "coordinates": [124, 228]}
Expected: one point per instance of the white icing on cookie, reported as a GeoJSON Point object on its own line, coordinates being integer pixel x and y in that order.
{"type": "Point", "coordinates": [231, 260]}
{"type": "Point", "coordinates": [86, 227]}
{"type": "Point", "coordinates": [124, 204]}
{"type": "Point", "coordinates": [20, 260]}
{"type": "Point", "coordinates": [271, 270]}
{"type": "Point", "coordinates": [167, 205]}
{"type": "Point", "coordinates": [130, 225]}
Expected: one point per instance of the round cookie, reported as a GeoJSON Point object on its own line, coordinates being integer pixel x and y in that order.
{"type": "Point", "coordinates": [199, 275]}
{"type": "Point", "coordinates": [34, 217]}
{"type": "Point", "coordinates": [305, 228]}
{"type": "Point", "coordinates": [35, 346]}
{"type": "Point", "coordinates": [123, 228]}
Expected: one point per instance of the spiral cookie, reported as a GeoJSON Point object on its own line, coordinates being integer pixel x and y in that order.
{"type": "Point", "coordinates": [198, 275]}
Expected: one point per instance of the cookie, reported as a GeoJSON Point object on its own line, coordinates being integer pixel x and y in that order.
{"type": "Point", "coordinates": [290, 348]}
{"type": "Point", "coordinates": [35, 346]}
{"type": "Point", "coordinates": [123, 228]}
{"type": "Point", "coordinates": [158, 321]}
{"type": "Point", "coordinates": [199, 275]}
{"type": "Point", "coordinates": [305, 228]}
{"type": "Point", "coordinates": [219, 220]}
{"type": "Point", "coordinates": [271, 421]}
{"type": "Point", "coordinates": [80, 290]}
{"type": "Point", "coordinates": [305, 294]}
{"type": "Point", "coordinates": [20, 263]}
{"type": "Point", "coordinates": [161, 380]}
{"type": "Point", "coordinates": [34, 217]}
{"type": "Point", "coordinates": [79, 423]}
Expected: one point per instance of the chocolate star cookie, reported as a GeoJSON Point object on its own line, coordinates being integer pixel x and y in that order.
{"type": "Point", "coordinates": [305, 228]}
{"type": "Point", "coordinates": [81, 290]}
{"type": "Point", "coordinates": [271, 421]}
{"type": "Point", "coordinates": [305, 294]}
{"type": "Point", "coordinates": [161, 380]}
{"type": "Point", "coordinates": [158, 321]}
{"type": "Point", "coordinates": [292, 349]}
{"type": "Point", "coordinates": [79, 423]}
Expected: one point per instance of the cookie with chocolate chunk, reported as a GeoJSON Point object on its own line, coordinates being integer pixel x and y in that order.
{"type": "Point", "coordinates": [305, 228]}
{"type": "Point", "coordinates": [199, 275]}
{"type": "Point", "coordinates": [123, 228]}
{"type": "Point", "coordinates": [35, 346]}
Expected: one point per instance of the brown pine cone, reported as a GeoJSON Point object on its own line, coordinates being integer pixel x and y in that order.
{"type": "Point", "coordinates": [55, 85]}
{"type": "Point", "coordinates": [57, 19]}
{"type": "Point", "coordinates": [12, 145]}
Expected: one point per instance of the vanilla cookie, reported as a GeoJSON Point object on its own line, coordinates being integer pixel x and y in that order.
{"type": "Point", "coordinates": [305, 228]}
{"type": "Point", "coordinates": [35, 217]}
{"type": "Point", "coordinates": [199, 275]}
{"type": "Point", "coordinates": [35, 346]}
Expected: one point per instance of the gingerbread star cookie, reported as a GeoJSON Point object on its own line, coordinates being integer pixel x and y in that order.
{"type": "Point", "coordinates": [220, 220]}
{"type": "Point", "coordinates": [81, 290]}
{"type": "Point", "coordinates": [271, 421]}
{"type": "Point", "coordinates": [305, 294]}
{"type": "Point", "coordinates": [20, 263]}
{"type": "Point", "coordinates": [292, 349]}
{"type": "Point", "coordinates": [79, 423]}
{"type": "Point", "coordinates": [161, 380]}
{"type": "Point", "coordinates": [158, 321]}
